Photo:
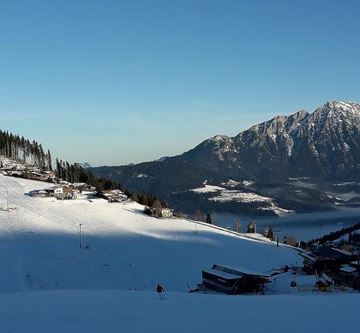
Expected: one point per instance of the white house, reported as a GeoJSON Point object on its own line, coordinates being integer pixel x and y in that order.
{"type": "Point", "coordinates": [56, 190]}
{"type": "Point", "coordinates": [161, 212]}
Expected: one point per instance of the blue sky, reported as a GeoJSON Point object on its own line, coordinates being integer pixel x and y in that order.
{"type": "Point", "coordinates": [114, 82]}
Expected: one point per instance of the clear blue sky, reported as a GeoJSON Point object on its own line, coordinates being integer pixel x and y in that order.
{"type": "Point", "coordinates": [114, 82]}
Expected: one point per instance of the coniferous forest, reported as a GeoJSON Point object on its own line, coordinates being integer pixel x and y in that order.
{"type": "Point", "coordinates": [25, 151]}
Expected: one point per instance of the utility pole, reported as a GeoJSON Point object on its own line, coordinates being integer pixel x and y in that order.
{"type": "Point", "coordinates": [196, 229]}
{"type": "Point", "coordinates": [237, 225]}
{"type": "Point", "coordinates": [80, 235]}
{"type": "Point", "coordinates": [276, 233]}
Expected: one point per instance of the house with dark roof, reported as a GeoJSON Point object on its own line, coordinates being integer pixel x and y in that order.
{"type": "Point", "coordinates": [234, 280]}
{"type": "Point", "coordinates": [325, 258]}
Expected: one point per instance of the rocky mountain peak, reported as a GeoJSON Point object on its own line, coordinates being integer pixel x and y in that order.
{"type": "Point", "coordinates": [333, 115]}
{"type": "Point", "coordinates": [219, 138]}
{"type": "Point", "coordinates": [338, 108]}
{"type": "Point", "coordinates": [324, 143]}
{"type": "Point", "coordinates": [342, 106]}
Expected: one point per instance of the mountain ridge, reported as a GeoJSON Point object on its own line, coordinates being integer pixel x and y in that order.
{"type": "Point", "coordinates": [282, 142]}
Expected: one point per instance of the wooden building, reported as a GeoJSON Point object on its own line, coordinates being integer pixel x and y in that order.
{"type": "Point", "coordinates": [230, 280]}
{"type": "Point", "coordinates": [113, 195]}
{"type": "Point", "coordinates": [324, 259]}
{"type": "Point", "coordinates": [349, 275]}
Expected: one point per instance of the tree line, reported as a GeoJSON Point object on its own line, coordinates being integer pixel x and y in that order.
{"type": "Point", "coordinates": [334, 235]}
{"type": "Point", "coordinates": [23, 150]}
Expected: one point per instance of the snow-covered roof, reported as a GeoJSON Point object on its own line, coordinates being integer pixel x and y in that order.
{"type": "Point", "coordinates": [348, 269]}
{"type": "Point", "coordinates": [222, 274]}
{"type": "Point", "coordinates": [55, 187]}
{"type": "Point", "coordinates": [239, 270]}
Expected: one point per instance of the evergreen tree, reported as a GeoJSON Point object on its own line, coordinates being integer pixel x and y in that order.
{"type": "Point", "coordinates": [134, 197]}
{"type": "Point", "coordinates": [208, 219]}
{"type": "Point", "coordinates": [144, 199]}
{"type": "Point", "coordinates": [270, 234]}
{"type": "Point", "coordinates": [49, 162]}
{"type": "Point", "coordinates": [157, 204]}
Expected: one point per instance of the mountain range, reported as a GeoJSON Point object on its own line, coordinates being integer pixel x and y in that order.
{"type": "Point", "coordinates": [321, 147]}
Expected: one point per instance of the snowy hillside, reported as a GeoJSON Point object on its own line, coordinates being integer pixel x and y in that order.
{"type": "Point", "coordinates": [39, 246]}
{"type": "Point", "coordinates": [108, 284]}
{"type": "Point", "coordinates": [222, 194]}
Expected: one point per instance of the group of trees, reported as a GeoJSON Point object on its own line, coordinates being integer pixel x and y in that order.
{"type": "Point", "coordinates": [199, 215]}
{"type": "Point", "coordinates": [270, 233]}
{"type": "Point", "coordinates": [148, 200]}
{"type": "Point", "coordinates": [334, 235]}
{"type": "Point", "coordinates": [23, 150]}
{"type": "Point", "coordinates": [354, 237]}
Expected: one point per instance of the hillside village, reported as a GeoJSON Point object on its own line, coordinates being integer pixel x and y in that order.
{"type": "Point", "coordinates": [65, 190]}
{"type": "Point", "coordinates": [62, 190]}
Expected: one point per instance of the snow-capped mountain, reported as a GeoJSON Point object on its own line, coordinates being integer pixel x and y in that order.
{"type": "Point", "coordinates": [84, 165]}
{"type": "Point", "coordinates": [325, 144]}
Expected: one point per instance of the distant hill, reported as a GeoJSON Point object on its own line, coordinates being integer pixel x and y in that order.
{"type": "Point", "coordinates": [84, 165]}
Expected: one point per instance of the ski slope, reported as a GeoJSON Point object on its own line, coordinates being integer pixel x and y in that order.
{"type": "Point", "coordinates": [49, 284]}
{"type": "Point", "coordinates": [131, 311]}
{"type": "Point", "coordinates": [127, 250]}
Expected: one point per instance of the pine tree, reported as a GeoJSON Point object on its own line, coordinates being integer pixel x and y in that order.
{"type": "Point", "coordinates": [208, 219]}
{"type": "Point", "coordinates": [49, 162]}
{"type": "Point", "coordinates": [144, 199]}
{"type": "Point", "coordinates": [270, 234]}
{"type": "Point", "coordinates": [134, 197]}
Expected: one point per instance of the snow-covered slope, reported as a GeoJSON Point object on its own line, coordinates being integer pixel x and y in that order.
{"type": "Point", "coordinates": [124, 311]}
{"type": "Point", "coordinates": [39, 245]}
{"type": "Point", "coordinates": [39, 250]}
{"type": "Point", "coordinates": [223, 194]}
